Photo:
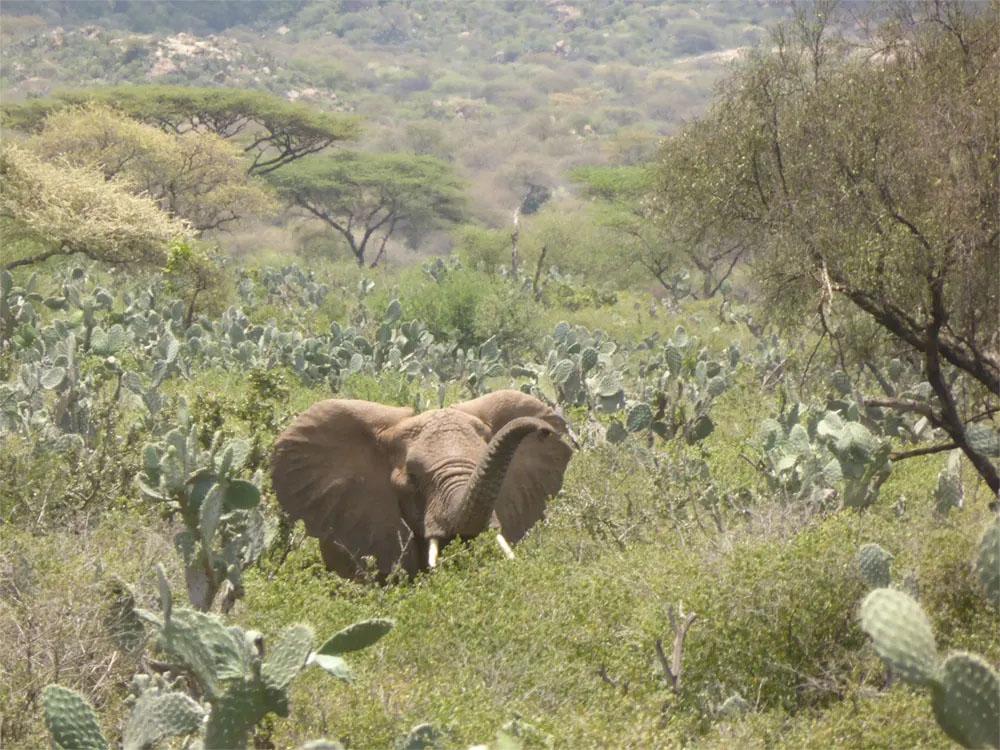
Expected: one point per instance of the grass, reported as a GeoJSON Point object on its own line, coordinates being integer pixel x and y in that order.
{"type": "Point", "coordinates": [483, 640]}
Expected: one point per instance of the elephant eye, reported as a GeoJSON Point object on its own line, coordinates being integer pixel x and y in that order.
{"type": "Point", "coordinates": [411, 479]}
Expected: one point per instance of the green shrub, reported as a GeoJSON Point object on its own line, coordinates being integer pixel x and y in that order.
{"type": "Point", "coordinates": [486, 250]}
{"type": "Point", "coordinates": [467, 307]}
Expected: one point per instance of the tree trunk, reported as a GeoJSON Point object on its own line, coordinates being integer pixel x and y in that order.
{"type": "Point", "coordinates": [514, 258]}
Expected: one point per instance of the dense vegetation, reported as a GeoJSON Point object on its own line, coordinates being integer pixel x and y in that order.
{"type": "Point", "coordinates": [772, 335]}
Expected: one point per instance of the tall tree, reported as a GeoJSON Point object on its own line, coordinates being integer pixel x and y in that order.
{"type": "Point", "coordinates": [49, 209]}
{"type": "Point", "coordinates": [198, 177]}
{"type": "Point", "coordinates": [271, 132]}
{"type": "Point", "coordinates": [665, 247]}
{"type": "Point", "coordinates": [365, 198]}
{"type": "Point", "coordinates": [869, 177]}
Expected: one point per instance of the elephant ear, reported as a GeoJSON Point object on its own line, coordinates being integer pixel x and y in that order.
{"type": "Point", "coordinates": [536, 471]}
{"type": "Point", "coordinates": [331, 469]}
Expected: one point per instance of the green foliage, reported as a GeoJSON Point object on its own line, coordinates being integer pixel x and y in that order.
{"type": "Point", "coordinates": [486, 250]}
{"type": "Point", "coordinates": [196, 274]}
{"type": "Point", "coordinates": [577, 242]}
{"type": "Point", "coordinates": [615, 184]}
{"type": "Point", "coordinates": [197, 177]}
{"type": "Point", "coordinates": [468, 308]}
{"type": "Point", "coordinates": [838, 202]}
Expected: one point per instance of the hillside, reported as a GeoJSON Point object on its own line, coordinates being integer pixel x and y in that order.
{"type": "Point", "coordinates": [513, 93]}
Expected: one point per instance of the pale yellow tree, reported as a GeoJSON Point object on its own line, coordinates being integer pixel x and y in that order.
{"type": "Point", "coordinates": [55, 208]}
{"type": "Point", "coordinates": [199, 177]}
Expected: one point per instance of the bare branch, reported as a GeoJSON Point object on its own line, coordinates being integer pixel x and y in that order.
{"type": "Point", "coordinates": [679, 624]}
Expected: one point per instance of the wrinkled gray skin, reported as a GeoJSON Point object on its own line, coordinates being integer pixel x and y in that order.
{"type": "Point", "coordinates": [378, 481]}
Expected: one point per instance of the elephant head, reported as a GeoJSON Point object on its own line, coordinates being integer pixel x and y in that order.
{"type": "Point", "coordinates": [380, 481]}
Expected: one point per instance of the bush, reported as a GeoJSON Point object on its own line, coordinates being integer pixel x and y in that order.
{"type": "Point", "coordinates": [486, 250]}
{"type": "Point", "coordinates": [467, 307]}
{"type": "Point", "coordinates": [576, 242]}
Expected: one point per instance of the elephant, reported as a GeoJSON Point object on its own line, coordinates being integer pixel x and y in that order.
{"type": "Point", "coordinates": [379, 481]}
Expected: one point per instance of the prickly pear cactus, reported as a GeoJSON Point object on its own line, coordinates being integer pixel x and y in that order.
{"type": "Point", "coordinates": [240, 679]}
{"type": "Point", "coordinates": [159, 712]}
{"type": "Point", "coordinates": [356, 637]}
{"type": "Point", "coordinates": [902, 634]}
{"type": "Point", "coordinates": [224, 528]}
{"type": "Point", "coordinates": [987, 563]}
{"type": "Point", "coordinates": [71, 720]}
{"type": "Point", "coordinates": [949, 492]}
{"type": "Point", "coordinates": [966, 701]}
{"type": "Point", "coordinates": [875, 563]}
{"type": "Point", "coordinates": [965, 689]}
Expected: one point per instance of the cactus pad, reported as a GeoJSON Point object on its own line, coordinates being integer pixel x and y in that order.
{"type": "Point", "coordinates": [288, 656]}
{"type": "Point", "coordinates": [967, 701]}
{"type": "Point", "coordinates": [356, 637]}
{"type": "Point", "coordinates": [902, 634]}
{"type": "Point", "coordinates": [875, 564]}
{"type": "Point", "coordinates": [987, 563]}
{"type": "Point", "coordinates": [71, 720]}
{"type": "Point", "coordinates": [949, 494]}
{"type": "Point", "coordinates": [213, 652]}
{"type": "Point", "coordinates": [158, 715]}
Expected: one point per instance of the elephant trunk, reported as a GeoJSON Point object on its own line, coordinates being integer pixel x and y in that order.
{"type": "Point", "coordinates": [483, 490]}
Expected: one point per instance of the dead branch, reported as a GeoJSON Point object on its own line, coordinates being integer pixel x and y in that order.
{"type": "Point", "coordinates": [679, 624]}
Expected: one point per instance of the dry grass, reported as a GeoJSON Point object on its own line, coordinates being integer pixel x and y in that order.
{"type": "Point", "coordinates": [52, 617]}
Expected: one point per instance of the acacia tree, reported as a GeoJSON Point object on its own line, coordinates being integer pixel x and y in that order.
{"type": "Point", "coordinates": [270, 131]}
{"type": "Point", "coordinates": [49, 209]}
{"type": "Point", "coordinates": [198, 177]}
{"type": "Point", "coordinates": [870, 178]}
{"type": "Point", "coordinates": [663, 246]}
{"type": "Point", "coordinates": [365, 198]}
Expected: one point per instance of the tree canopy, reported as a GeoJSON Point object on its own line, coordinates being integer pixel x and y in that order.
{"type": "Point", "coordinates": [50, 209]}
{"type": "Point", "coordinates": [364, 196]}
{"type": "Point", "coordinates": [868, 176]}
{"type": "Point", "coordinates": [659, 243]}
{"type": "Point", "coordinates": [272, 132]}
{"type": "Point", "coordinates": [198, 177]}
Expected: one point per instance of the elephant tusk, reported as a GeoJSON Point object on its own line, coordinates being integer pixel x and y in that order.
{"type": "Point", "coordinates": [432, 553]}
{"type": "Point", "coordinates": [505, 547]}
